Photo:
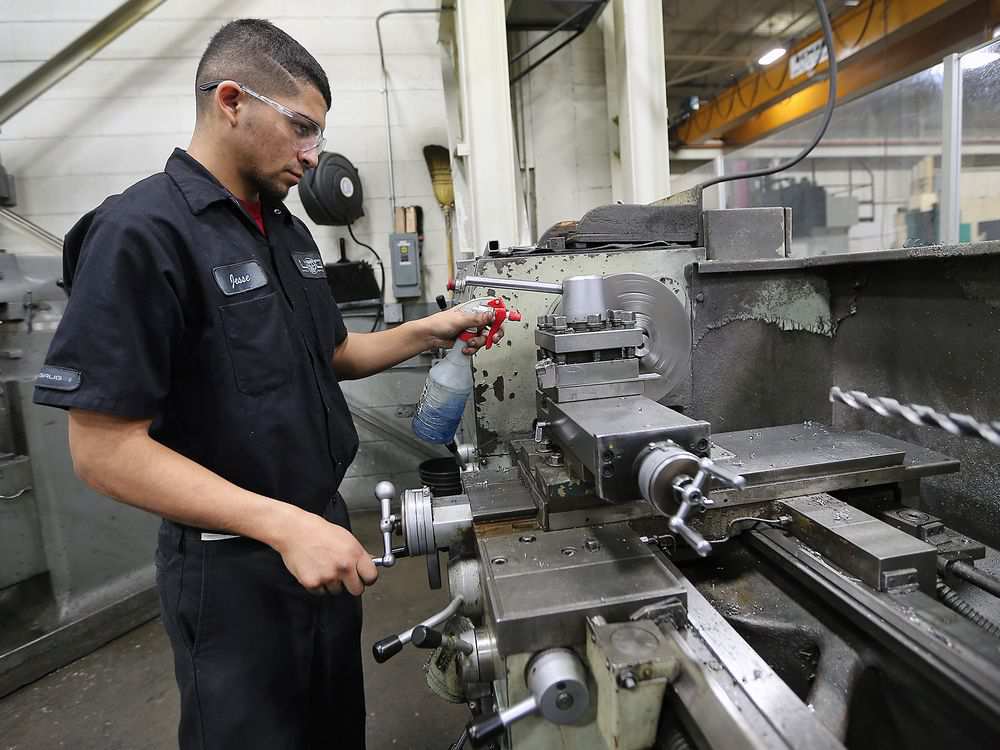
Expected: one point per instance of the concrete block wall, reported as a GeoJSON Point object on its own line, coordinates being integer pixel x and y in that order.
{"type": "Point", "coordinates": [116, 118]}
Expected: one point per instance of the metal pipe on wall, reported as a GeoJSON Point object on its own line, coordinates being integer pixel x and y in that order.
{"type": "Point", "coordinates": [385, 89]}
{"type": "Point", "coordinates": [74, 54]}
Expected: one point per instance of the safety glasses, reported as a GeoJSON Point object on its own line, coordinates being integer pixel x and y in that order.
{"type": "Point", "coordinates": [307, 133]}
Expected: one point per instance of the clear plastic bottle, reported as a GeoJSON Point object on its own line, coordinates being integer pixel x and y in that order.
{"type": "Point", "coordinates": [442, 402]}
{"type": "Point", "coordinates": [449, 383]}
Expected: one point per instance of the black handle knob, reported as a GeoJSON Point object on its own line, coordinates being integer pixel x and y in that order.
{"type": "Point", "coordinates": [442, 303]}
{"type": "Point", "coordinates": [386, 648]}
{"type": "Point", "coordinates": [425, 637]}
{"type": "Point", "coordinates": [485, 729]}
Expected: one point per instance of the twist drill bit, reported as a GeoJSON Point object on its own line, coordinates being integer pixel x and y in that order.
{"type": "Point", "coordinates": [956, 424]}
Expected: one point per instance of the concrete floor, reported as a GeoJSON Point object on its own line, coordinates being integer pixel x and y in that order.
{"type": "Point", "coordinates": [123, 696]}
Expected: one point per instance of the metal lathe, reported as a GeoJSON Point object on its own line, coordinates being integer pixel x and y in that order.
{"type": "Point", "coordinates": [669, 536]}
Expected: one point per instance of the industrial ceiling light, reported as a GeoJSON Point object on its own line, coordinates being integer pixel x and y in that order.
{"type": "Point", "coordinates": [979, 58]}
{"type": "Point", "coordinates": [772, 55]}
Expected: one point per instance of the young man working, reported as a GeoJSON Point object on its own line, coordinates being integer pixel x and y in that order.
{"type": "Point", "coordinates": [199, 358]}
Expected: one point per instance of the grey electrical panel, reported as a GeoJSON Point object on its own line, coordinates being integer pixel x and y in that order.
{"type": "Point", "coordinates": [405, 252]}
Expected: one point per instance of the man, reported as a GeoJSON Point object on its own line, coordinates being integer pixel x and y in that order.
{"type": "Point", "coordinates": [199, 358]}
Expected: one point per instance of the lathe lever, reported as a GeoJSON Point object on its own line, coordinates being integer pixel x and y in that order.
{"type": "Point", "coordinates": [539, 430]}
{"type": "Point", "coordinates": [426, 637]}
{"type": "Point", "coordinates": [723, 474]}
{"type": "Point", "coordinates": [489, 727]}
{"type": "Point", "coordinates": [558, 685]}
{"type": "Point", "coordinates": [666, 469]}
{"type": "Point", "coordinates": [691, 493]}
{"type": "Point", "coordinates": [386, 493]}
{"type": "Point", "coordinates": [678, 525]}
{"type": "Point", "coordinates": [388, 647]}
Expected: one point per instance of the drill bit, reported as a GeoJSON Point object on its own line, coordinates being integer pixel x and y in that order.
{"type": "Point", "coordinates": [956, 424]}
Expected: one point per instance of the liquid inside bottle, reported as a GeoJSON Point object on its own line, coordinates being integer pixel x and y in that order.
{"type": "Point", "coordinates": [442, 402]}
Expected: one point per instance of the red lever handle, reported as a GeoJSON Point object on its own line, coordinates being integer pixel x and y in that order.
{"type": "Point", "coordinates": [500, 314]}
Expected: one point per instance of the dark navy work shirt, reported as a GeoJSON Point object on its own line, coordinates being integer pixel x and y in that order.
{"type": "Point", "coordinates": [183, 312]}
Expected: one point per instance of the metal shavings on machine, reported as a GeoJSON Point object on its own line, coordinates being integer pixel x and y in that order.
{"type": "Point", "coordinates": [955, 424]}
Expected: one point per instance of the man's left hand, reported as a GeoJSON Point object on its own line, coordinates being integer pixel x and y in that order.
{"type": "Point", "coordinates": [444, 327]}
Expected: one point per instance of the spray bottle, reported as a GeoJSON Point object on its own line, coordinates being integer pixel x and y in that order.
{"type": "Point", "coordinates": [449, 382]}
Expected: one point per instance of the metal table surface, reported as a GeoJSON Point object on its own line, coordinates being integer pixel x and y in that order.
{"type": "Point", "coordinates": [542, 586]}
{"type": "Point", "coordinates": [809, 457]}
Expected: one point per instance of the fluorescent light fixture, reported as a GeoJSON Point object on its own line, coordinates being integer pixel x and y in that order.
{"type": "Point", "coordinates": [772, 55]}
{"type": "Point", "coordinates": [979, 58]}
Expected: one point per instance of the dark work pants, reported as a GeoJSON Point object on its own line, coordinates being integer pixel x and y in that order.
{"type": "Point", "coordinates": [260, 662]}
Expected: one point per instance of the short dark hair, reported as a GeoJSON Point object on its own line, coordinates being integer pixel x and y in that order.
{"type": "Point", "coordinates": [258, 54]}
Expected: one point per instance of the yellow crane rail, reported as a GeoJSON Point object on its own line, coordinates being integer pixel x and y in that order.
{"type": "Point", "coordinates": [876, 43]}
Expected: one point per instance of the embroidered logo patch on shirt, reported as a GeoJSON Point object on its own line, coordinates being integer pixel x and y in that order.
{"type": "Point", "coordinates": [59, 378]}
{"type": "Point", "coordinates": [240, 277]}
{"type": "Point", "coordinates": [310, 265]}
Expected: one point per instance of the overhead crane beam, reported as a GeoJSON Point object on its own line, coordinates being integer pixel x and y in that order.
{"type": "Point", "coordinates": [876, 43]}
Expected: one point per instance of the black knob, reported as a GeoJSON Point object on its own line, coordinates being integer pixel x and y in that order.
{"type": "Point", "coordinates": [425, 637]}
{"type": "Point", "coordinates": [485, 729]}
{"type": "Point", "coordinates": [442, 302]}
{"type": "Point", "coordinates": [386, 648]}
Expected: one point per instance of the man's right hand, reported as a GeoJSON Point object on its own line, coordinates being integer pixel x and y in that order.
{"type": "Point", "coordinates": [325, 557]}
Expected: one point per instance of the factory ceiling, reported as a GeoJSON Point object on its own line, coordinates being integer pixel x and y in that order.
{"type": "Point", "coordinates": [709, 44]}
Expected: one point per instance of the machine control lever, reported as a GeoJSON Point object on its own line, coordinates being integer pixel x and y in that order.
{"type": "Point", "coordinates": [540, 430]}
{"type": "Point", "coordinates": [386, 493]}
{"type": "Point", "coordinates": [667, 470]}
{"type": "Point", "coordinates": [425, 637]}
{"type": "Point", "coordinates": [389, 646]}
{"type": "Point", "coordinates": [557, 684]}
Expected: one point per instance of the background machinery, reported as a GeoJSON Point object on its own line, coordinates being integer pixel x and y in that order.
{"type": "Point", "coordinates": [669, 537]}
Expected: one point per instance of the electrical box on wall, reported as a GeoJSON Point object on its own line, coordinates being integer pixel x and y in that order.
{"type": "Point", "coordinates": [404, 249]}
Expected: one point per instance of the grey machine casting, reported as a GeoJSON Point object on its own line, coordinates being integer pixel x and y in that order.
{"type": "Point", "coordinates": [624, 577]}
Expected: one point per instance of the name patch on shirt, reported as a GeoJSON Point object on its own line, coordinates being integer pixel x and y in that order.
{"type": "Point", "coordinates": [310, 265]}
{"type": "Point", "coordinates": [240, 277]}
{"type": "Point", "coordinates": [59, 378]}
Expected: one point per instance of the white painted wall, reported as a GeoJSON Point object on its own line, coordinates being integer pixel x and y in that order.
{"type": "Point", "coordinates": [562, 126]}
{"type": "Point", "coordinates": [117, 117]}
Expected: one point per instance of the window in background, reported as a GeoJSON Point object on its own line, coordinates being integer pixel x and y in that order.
{"type": "Point", "coordinates": [871, 184]}
{"type": "Point", "coordinates": [979, 182]}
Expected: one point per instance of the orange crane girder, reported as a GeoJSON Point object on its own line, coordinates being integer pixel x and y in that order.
{"type": "Point", "coordinates": [877, 42]}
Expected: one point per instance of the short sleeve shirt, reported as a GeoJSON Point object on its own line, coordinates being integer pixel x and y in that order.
{"type": "Point", "coordinates": [182, 311]}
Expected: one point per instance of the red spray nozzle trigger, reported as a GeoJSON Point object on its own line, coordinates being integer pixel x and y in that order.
{"type": "Point", "coordinates": [500, 314]}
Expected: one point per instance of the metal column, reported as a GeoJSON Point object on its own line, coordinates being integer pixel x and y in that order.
{"type": "Point", "coordinates": [486, 148]}
{"type": "Point", "coordinates": [951, 151]}
{"type": "Point", "coordinates": [641, 88]}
